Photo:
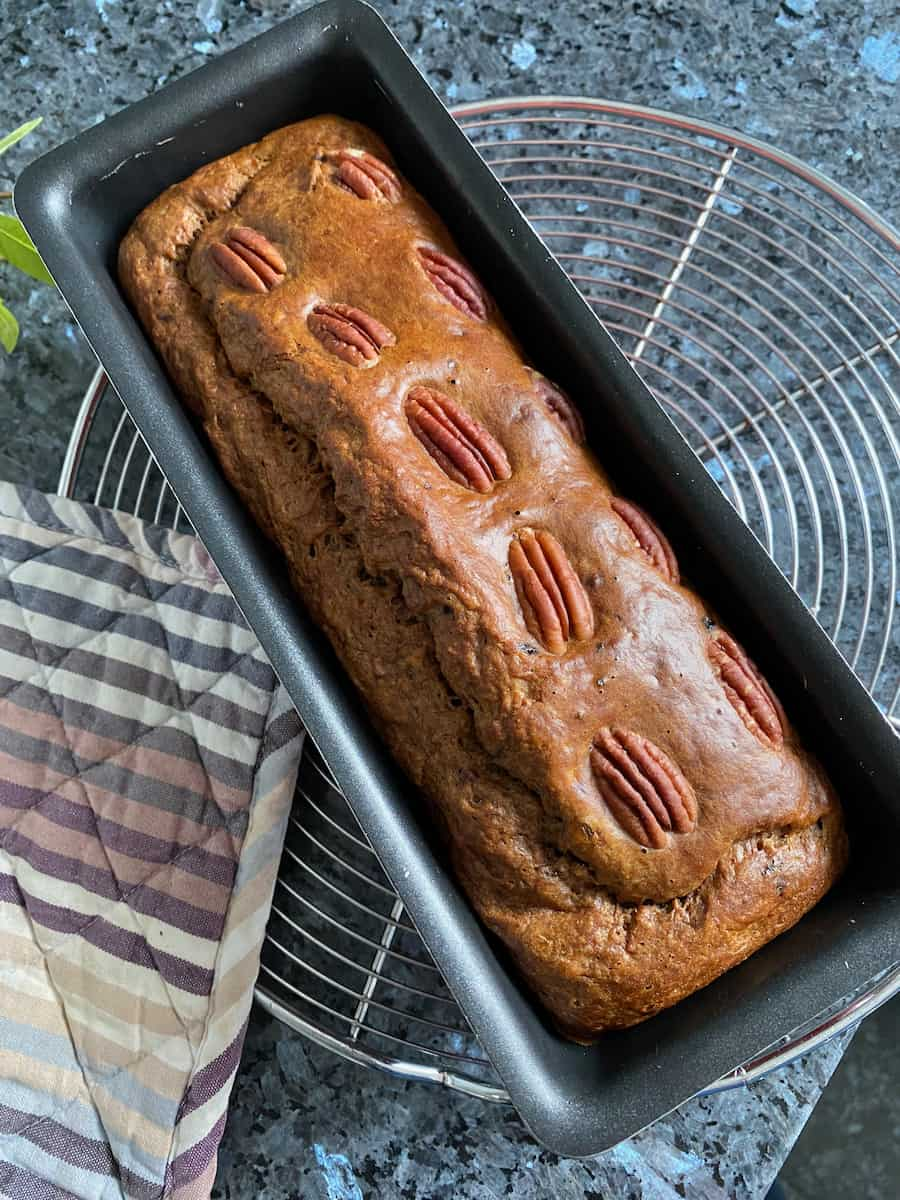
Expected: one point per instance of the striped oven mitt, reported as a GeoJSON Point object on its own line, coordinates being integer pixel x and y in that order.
{"type": "Point", "coordinates": [147, 763]}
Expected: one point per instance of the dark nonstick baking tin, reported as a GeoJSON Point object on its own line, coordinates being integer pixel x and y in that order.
{"type": "Point", "coordinates": [78, 201]}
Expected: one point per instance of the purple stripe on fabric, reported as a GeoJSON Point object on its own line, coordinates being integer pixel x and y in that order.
{"type": "Point", "coordinates": [122, 944]}
{"type": "Point", "coordinates": [137, 1187]}
{"type": "Point", "coordinates": [25, 1185]}
{"type": "Point", "coordinates": [89, 1154]}
{"type": "Point", "coordinates": [214, 1076]}
{"type": "Point", "coordinates": [282, 730]}
{"type": "Point", "coordinates": [194, 860]}
{"type": "Point", "coordinates": [102, 882]}
{"type": "Point", "coordinates": [194, 1161]}
{"type": "Point", "coordinates": [10, 892]}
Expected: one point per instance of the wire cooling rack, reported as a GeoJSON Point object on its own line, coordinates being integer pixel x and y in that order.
{"type": "Point", "coordinates": [761, 303]}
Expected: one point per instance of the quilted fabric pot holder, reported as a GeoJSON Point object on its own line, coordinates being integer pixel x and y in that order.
{"type": "Point", "coordinates": [148, 757]}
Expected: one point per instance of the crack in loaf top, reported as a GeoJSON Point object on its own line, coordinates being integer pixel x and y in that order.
{"type": "Point", "coordinates": [591, 674]}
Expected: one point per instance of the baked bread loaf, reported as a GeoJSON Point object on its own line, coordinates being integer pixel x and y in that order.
{"type": "Point", "coordinates": [623, 798]}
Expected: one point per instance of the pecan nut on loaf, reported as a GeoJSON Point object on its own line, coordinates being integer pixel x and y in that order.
{"type": "Point", "coordinates": [624, 801]}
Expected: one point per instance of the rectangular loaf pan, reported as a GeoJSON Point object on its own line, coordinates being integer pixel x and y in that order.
{"type": "Point", "coordinates": [79, 200]}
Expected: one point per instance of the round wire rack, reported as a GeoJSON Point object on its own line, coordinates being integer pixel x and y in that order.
{"type": "Point", "coordinates": [760, 301]}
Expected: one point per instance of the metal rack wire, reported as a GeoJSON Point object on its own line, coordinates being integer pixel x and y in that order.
{"type": "Point", "coordinates": [761, 303]}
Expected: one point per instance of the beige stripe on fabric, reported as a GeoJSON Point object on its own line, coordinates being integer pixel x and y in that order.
{"type": "Point", "coordinates": [120, 648]}
{"type": "Point", "coordinates": [28, 531]}
{"type": "Point", "coordinates": [245, 924]}
{"type": "Point", "coordinates": [251, 901]}
{"type": "Point", "coordinates": [97, 1002]}
{"type": "Point", "coordinates": [110, 1040]}
{"type": "Point", "coordinates": [231, 1007]}
{"type": "Point", "coordinates": [64, 1084]}
{"type": "Point", "coordinates": [83, 846]}
{"type": "Point", "coordinates": [40, 1012]}
{"type": "Point", "coordinates": [173, 1049]}
{"type": "Point", "coordinates": [247, 918]}
{"type": "Point", "coordinates": [231, 986]}
{"type": "Point", "coordinates": [193, 889]}
{"type": "Point", "coordinates": [123, 1019]}
{"type": "Point", "coordinates": [89, 540]}
{"type": "Point", "coordinates": [190, 557]}
{"type": "Point", "coordinates": [17, 946]}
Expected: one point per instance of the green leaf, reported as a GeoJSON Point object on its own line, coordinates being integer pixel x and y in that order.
{"type": "Point", "coordinates": [9, 329]}
{"type": "Point", "coordinates": [18, 248]}
{"type": "Point", "coordinates": [18, 134]}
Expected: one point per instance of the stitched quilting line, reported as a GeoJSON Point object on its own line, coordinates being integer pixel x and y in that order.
{"type": "Point", "coordinates": [149, 878]}
{"type": "Point", "coordinates": [184, 706]}
{"type": "Point", "coordinates": [80, 774]}
{"type": "Point", "coordinates": [60, 1109]}
{"type": "Point", "coordinates": [13, 696]}
{"type": "Point", "coordinates": [147, 605]}
{"type": "Point", "coordinates": [109, 1076]}
{"type": "Point", "coordinates": [84, 772]}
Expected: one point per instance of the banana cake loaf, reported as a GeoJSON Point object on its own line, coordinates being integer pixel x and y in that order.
{"type": "Point", "coordinates": [623, 798]}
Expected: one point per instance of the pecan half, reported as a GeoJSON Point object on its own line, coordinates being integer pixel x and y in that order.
{"type": "Point", "coordinates": [458, 444]}
{"type": "Point", "coordinates": [455, 282]}
{"type": "Point", "coordinates": [559, 404]}
{"type": "Point", "coordinates": [349, 333]}
{"type": "Point", "coordinates": [554, 603]}
{"type": "Point", "coordinates": [367, 176]}
{"type": "Point", "coordinates": [643, 789]}
{"type": "Point", "coordinates": [749, 694]}
{"type": "Point", "coordinates": [248, 259]}
{"type": "Point", "coordinates": [648, 536]}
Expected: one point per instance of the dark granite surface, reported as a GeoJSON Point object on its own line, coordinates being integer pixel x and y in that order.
{"type": "Point", "coordinates": [304, 1124]}
{"type": "Point", "coordinates": [817, 80]}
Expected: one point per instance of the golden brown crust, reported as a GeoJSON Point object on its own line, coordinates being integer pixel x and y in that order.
{"type": "Point", "coordinates": [406, 566]}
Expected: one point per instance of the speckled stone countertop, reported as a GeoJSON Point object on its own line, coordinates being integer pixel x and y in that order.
{"type": "Point", "coordinates": [809, 75]}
